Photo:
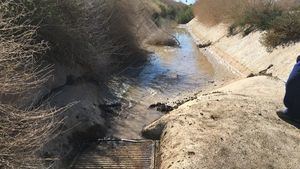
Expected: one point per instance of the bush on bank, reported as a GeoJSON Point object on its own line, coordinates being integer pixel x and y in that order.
{"type": "Point", "coordinates": [256, 17]}
{"type": "Point", "coordinates": [179, 13]}
{"type": "Point", "coordinates": [284, 30]}
{"type": "Point", "coordinates": [23, 130]}
{"type": "Point", "coordinates": [185, 15]}
{"type": "Point", "coordinates": [278, 19]}
{"type": "Point", "coordinates": [35, 34]}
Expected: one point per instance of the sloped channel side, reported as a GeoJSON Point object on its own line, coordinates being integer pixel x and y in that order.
{"type": "Point", "coordinates": [119, 154]}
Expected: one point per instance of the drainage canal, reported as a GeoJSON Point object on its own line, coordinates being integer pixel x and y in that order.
{"type": "Point", "coordinates": [169, 73]}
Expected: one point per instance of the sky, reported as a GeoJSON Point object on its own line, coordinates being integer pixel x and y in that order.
{"type": "Point", "coordinates": [187, 1]}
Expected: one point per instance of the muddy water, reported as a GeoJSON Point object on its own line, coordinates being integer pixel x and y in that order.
{"type": "Point", "coordinates": [169, 73]}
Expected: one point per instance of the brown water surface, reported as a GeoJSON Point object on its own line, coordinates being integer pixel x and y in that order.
{"type": "Point", "coordinates": [168, 73]}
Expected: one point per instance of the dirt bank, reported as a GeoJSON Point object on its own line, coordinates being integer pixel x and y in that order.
{"type": "Point", "coordinates": [80, 77]}
{"type": "Point", "coordinates": [234, 126]}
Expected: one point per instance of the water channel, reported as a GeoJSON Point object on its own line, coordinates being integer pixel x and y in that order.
{"type": "Point", "coordinates": [168, 73]}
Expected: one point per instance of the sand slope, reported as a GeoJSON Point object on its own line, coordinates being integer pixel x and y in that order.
{"type": "Point", "coordinates": [232, 127]}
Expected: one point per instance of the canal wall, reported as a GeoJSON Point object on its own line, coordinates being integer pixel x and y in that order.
{"type": "Point", "coordinates": [243, 55]}
{"type": "Point", "coordinates": [233, 125]}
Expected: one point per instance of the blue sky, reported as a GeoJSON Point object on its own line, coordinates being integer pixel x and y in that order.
{"type": "Point", "coordinates": [187, 1]}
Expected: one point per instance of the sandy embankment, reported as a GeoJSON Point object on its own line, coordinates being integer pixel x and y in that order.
{"type": "Point", "coordinates": [235, 126]}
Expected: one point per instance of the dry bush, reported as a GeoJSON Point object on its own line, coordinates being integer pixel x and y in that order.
{"type": "Point", "coordinates": [147, 13]}
{"type": "Point", "coordinates": [123, 33]}
{"type": "Point", "coordinates": [213, 12]}
{"type": "Point", "coordinates": [280, 18]}
{"type": "Point", "coordinates": [257, 16]}
{"type": "Point", "coordinates": [19, 71]}
{"type": "Point", "coordinates": [284, 31]}
{"type": "Point", "coordinates": [230, 11]}
{"type": "Point", "coordinates": [88, 33]}
{"type": "Point", "coordinates": [22, 130]}
{"type": "Point", "coordinates": [288, 4]}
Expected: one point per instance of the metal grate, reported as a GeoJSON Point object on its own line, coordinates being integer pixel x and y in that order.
{"type": "Point", "coordinates": [116, 154]}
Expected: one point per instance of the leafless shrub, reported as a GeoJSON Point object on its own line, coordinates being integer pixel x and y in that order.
{"type": "Point", "coordinates": [18, 48]}
{"type": "Point", "coordinates": [88, 33]}
{"type": "Point", "coordinates": [22, 130]}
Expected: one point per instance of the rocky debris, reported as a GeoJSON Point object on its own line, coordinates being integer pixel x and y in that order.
{"type": "Point", "coordinates": [167, 107]}
{"type": "Point", "coordinates": [262, 73]}
{"type": "Point", "coordinates": [184, 100]}
{"type": "Point", "coordinates": [111, 109]}
{"type": "Point", "coordinates": [204, 45]}
{"type": "Point", "coordinates": [191, 153]}
{"type": "Point", "coordinates": [161, 107]}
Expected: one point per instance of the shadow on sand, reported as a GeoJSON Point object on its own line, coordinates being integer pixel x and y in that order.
{"type": "Point", "coordinates": [289, 120]}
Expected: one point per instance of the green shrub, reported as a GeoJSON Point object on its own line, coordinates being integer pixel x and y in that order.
{"type": "Point", "coordinates": [279, 20]}
{"type": "Point", "coordinates": [177, 12]}
{"type": "Point", "coordinates": [166, 13]}
{"type": "Point", "coordinates": [256, 18]}
{"type": "Point", "coordinates": [156, 18]}
{"type": "Point", "coordinates": [185, 15]}
{"type": "Point", "coordinates": [284, 30]}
